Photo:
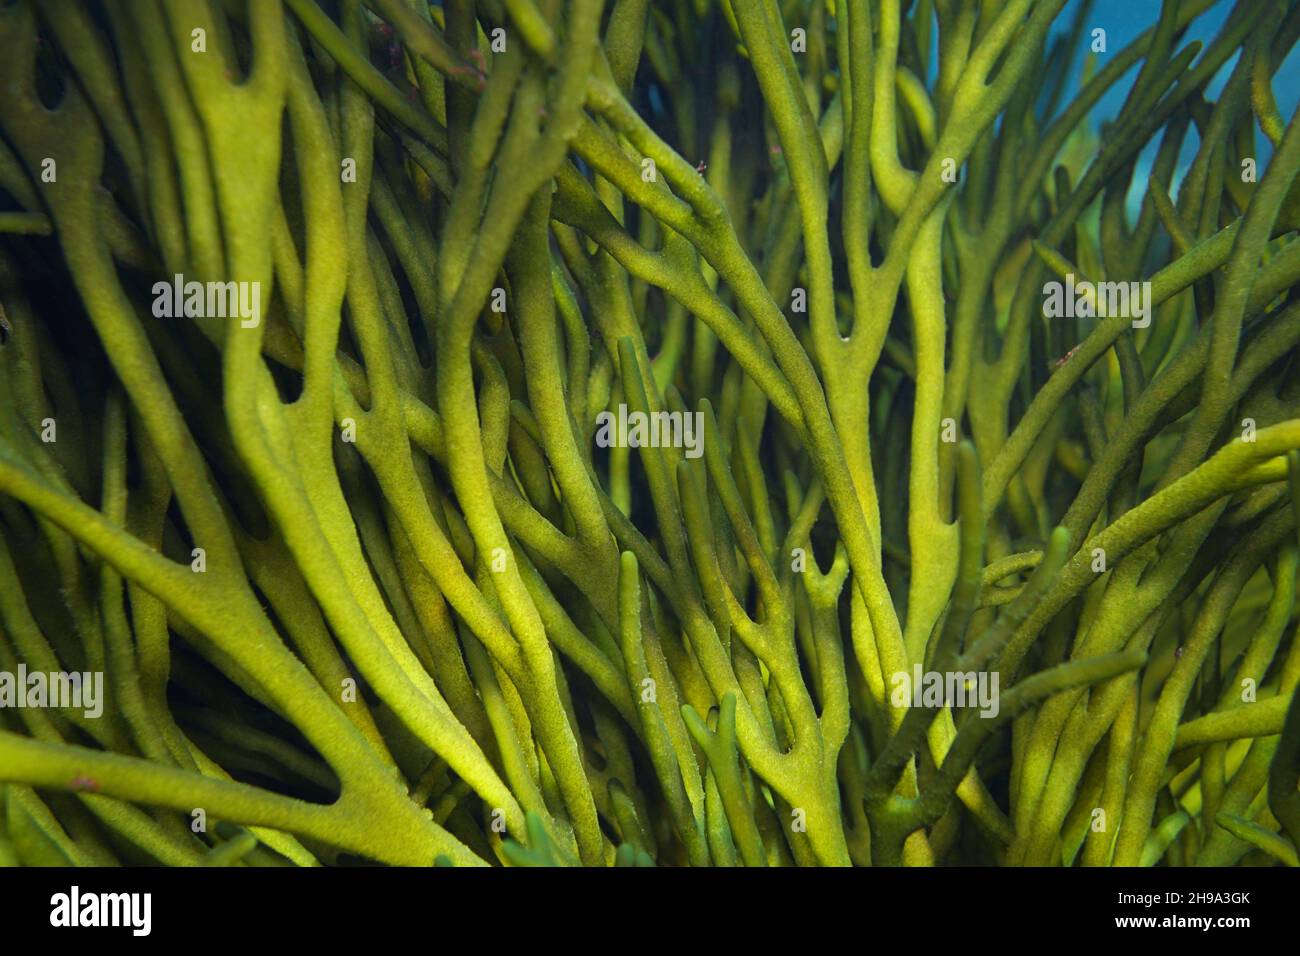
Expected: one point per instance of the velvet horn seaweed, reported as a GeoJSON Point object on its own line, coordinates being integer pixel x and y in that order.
{"type": "Point", "coordinates": [648, 432]}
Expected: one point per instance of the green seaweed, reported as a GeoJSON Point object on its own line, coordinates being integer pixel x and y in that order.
{"type": "Point", "coordinates": [366, 583]}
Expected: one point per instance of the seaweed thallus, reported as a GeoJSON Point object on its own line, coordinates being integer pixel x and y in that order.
{"type": "Point", "coordinates": [634, 432]}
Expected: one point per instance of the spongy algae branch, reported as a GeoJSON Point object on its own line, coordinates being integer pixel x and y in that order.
{"type": "Point", "coordinates": [648, 432]}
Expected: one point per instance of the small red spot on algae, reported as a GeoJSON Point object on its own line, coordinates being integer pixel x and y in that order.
{"type": "Point", "coordinates": [1067, 356]}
